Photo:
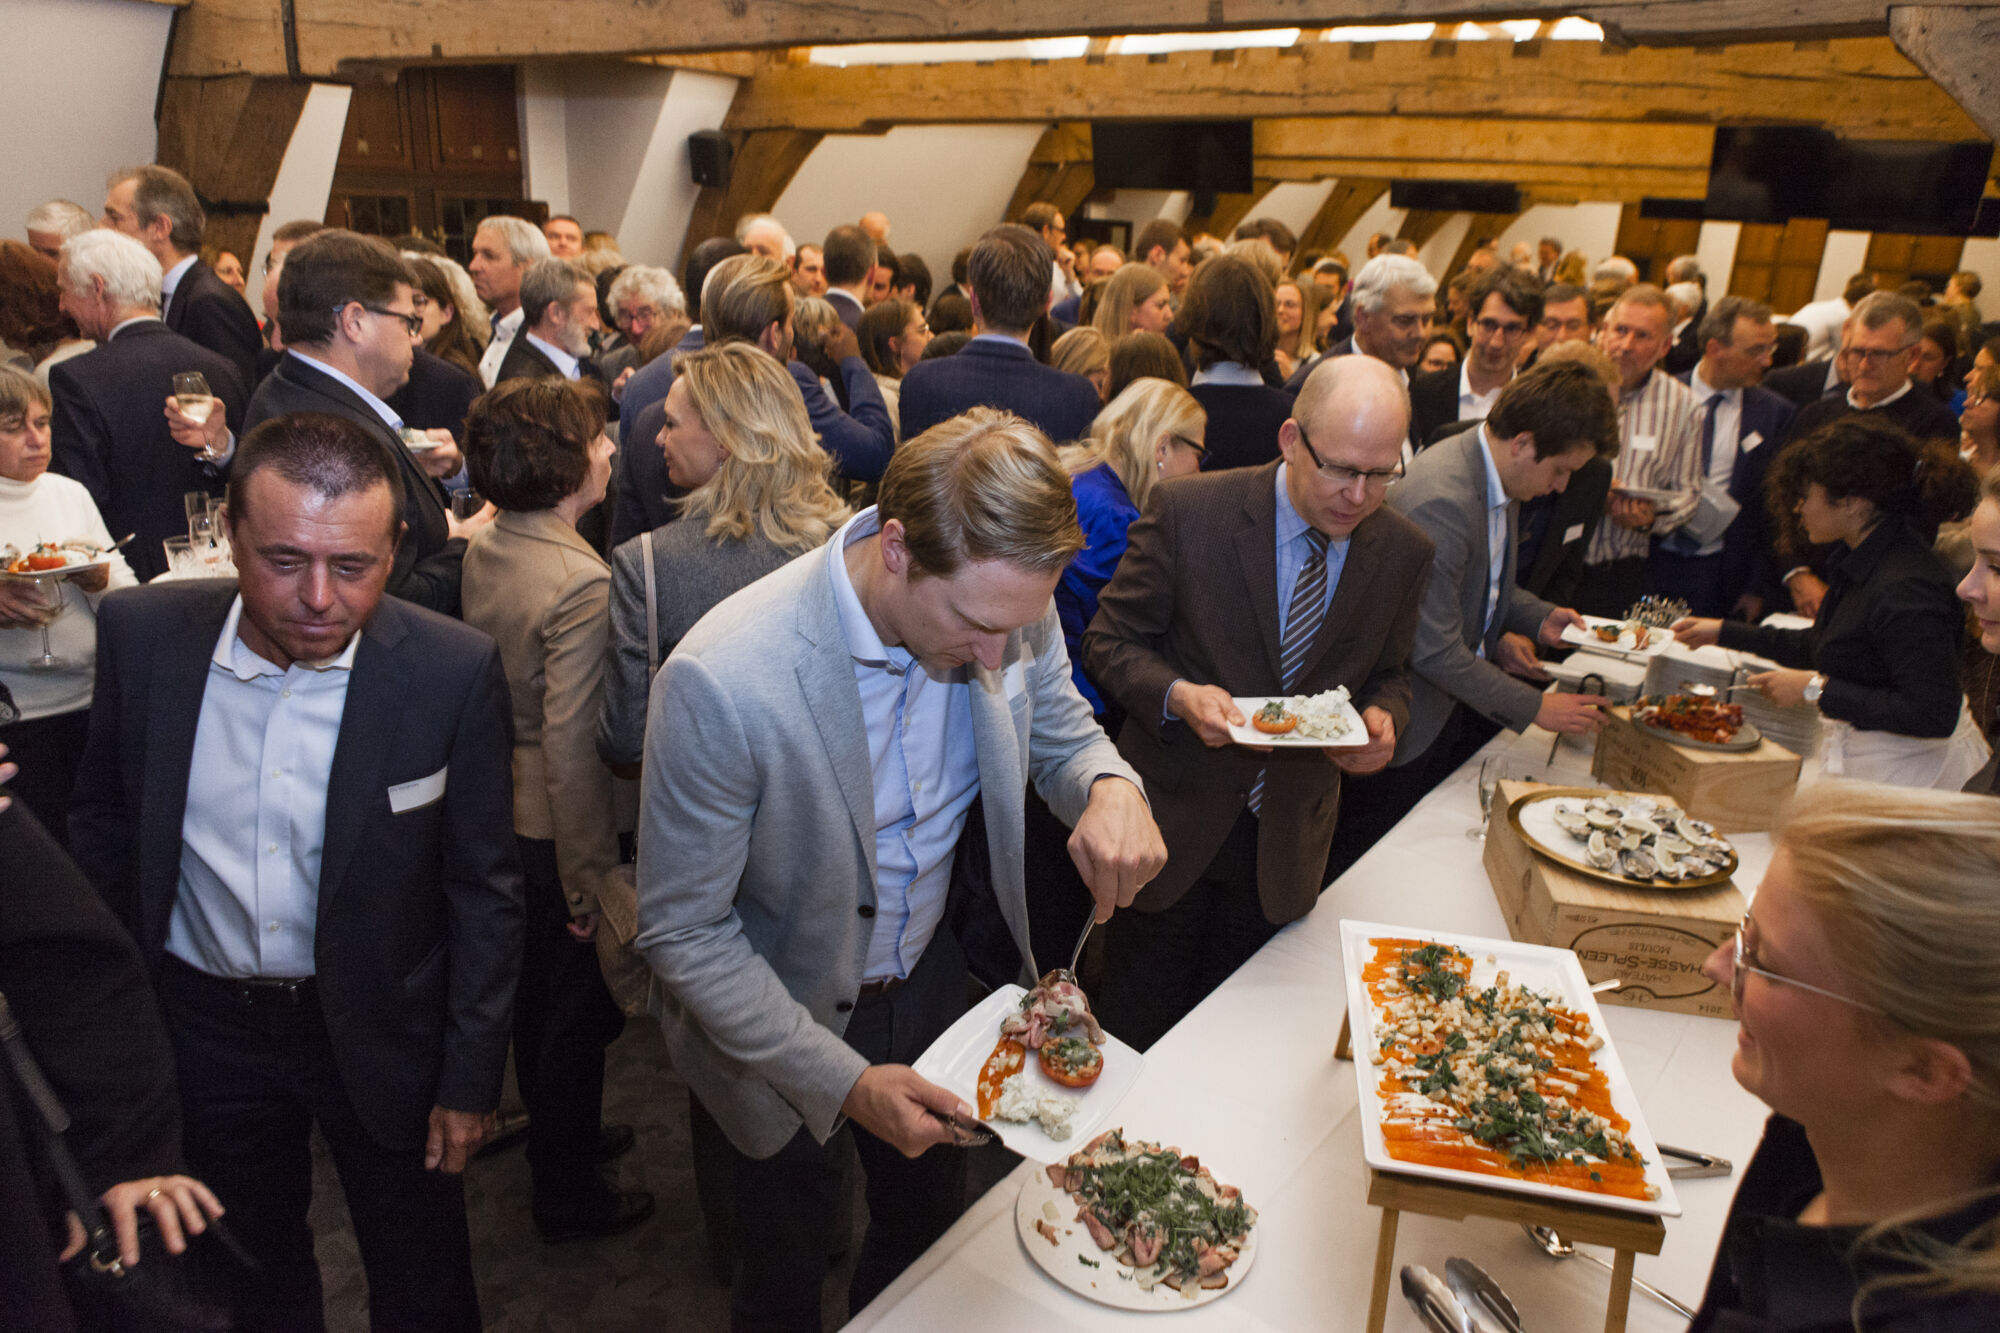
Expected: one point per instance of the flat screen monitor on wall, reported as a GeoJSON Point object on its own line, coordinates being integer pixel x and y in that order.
{"type": "Point", "coordinates": [1776, 173]}
{"type": "Point", "coordinates": [1204, 156]}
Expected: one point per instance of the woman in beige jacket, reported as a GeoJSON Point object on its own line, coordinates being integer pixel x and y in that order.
{"type": "Point", "coordinates": [536, 449]}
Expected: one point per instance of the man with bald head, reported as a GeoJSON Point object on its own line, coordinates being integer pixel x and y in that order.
{"type": "Point", "coordinates": [1291, 578]}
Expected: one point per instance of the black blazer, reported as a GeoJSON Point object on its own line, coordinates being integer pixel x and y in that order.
{"type": "Point", "coordinates": [419, 922]}
{"type": "Point", "coordinates": [1433, 404]}
{"type": "Point", "coordinates": [110, 433]}
{"type": "Point", "coordinates": [1243, 422]}
{"type": "Point", "coordinates": [211, 312]}
{"type": "Point", "coordinates": [524, 360]}
{"type": "Point", "coordinates": [1918, 413]}
{"type": "Point", "coordinates": [1802, 384]}
{"type": "Point", "coordinates": [428, 558]}
{"type": "Point", "coordinates": [437, 395]}
{"type": "Point", "coordinates": [1886, 637]}
{"type": "Point", "coordinates": [75, 983]}
{"type": "Point", "coordinates": [1556, 530]}
{"type": "Point", "coordinates": [1000, 374]}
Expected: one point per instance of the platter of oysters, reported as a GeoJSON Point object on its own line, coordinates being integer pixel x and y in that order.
{"type": "Point", "coordinates": [1625, 838]}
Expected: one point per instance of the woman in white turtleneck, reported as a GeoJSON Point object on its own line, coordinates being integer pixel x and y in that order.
{"type": "Point", "coordinates": [44, 727]}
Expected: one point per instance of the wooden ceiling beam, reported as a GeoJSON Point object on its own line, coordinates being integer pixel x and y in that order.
{"type": "Point", "coordinates": [322, 37]}
{"type": "Point", "coordinates": [1349, 202]}
{"type": "Point", "coordinates": [763, 166]}
{"type": "Point", "coordinates": [1862, 87]}
{"type": "Point", "coordinates": [1545, 183]}
{"type": "Point", "coordinates": [1955, 44]}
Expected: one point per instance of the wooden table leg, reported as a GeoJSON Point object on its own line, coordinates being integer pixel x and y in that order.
{"type": "Point", "coordinates": [1344, 1048]}
{"type": "Point", "coordinates": [1621, 1291]}
{"type": "Point", "coordinates": [1385, 1268]}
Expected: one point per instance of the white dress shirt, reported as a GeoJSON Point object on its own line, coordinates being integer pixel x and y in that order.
{"type": "Point", "coordinates": [255, 824]}
{"type": "Point", "coordinates": [564, 362]}
{"type": "Point", "coordinates": [171, 281]}
{"type": "Point", "coordinates": [504, 329]}
{"type": "Point", "coordinates": [1496, 533]}
{"type": "Point", "coordinates": [1726, 437]}
{"type": "Point", "coordinates": [1474, 406]}
{"type": "Point", "coordinates": [924, 767]}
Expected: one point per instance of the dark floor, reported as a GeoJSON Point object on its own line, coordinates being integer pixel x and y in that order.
{"type": "Point", "coordinates": [654, 1279]}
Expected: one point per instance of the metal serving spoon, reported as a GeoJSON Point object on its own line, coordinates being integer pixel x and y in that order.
{"type": "Point", "coordinates": [1556, 1247]}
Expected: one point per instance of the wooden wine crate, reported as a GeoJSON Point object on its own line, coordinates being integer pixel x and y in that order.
{"type": "Point", "coordinates": [1738, 792]}
{"type": "Point", "coordinates": [1654, 940]}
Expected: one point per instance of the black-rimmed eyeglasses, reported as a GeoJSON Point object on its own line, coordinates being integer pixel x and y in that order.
{"type": "Point", "coordinates": [1375, 479]}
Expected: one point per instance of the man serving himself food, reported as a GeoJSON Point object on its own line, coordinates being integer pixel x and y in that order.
{"type": "Point", "coordinates": [1289, 579]}
{"type": "Point", "coordinates": [815, 749]}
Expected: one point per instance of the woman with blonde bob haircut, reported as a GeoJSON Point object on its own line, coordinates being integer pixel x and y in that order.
{"type": "Point", "coordinates": [738, 438]}
{"type": "Point", "coordinates": [1135, 300]}
{"type": "Point", "coordinates": [1086, 352]}
{"type": "Point", "coordinates": [1866, 978]}
{"type": "Point", "coordinates": [1151, 431]}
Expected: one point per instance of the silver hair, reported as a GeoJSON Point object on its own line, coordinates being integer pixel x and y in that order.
{"type": "Point", "coordinates": [1386, 273]}
{"type": "Point", "coordinates": [472, 311]}
{"type": "Point", "coordinates": [130, 273]}
{"type": "Point", "coordinates": [749, 222]}
{"type": "Point", "coordinates": [1876, 309]}
{"type": "Point", "coordinates": [654, 285]}
{"type": "Point", "coordinates": [62, 217]}
{"type": "Point", "coordinates": [163, 192]}
{"type": "Point", "coordinates": [1687, 268]}
{"type": "Point", "coordinates": [1618, 268]}
{"type": "Point", "coordinates": [1686, 297]}
{"type": "Point", "coordinates": [551, 280]}
{"type": "Point", "coordinates": [525, 242]}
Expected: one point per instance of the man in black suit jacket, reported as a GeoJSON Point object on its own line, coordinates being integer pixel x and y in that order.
{"type": "Point", "coordinates": [645, 494]}
{"type": "Point", "coordinates": [1805, 384]}
{"type": "Point", "coordinates": [1506, 306]}
{"type": "Point", "coordinates": [345, 313]}
{"type": "Point", "coordinates": [1723, 573]}
{"type": "Point", "coordinates": [437, 395]}
{"type": "Point", "coordinates": [559, 304]}
{"type": "Point", "coordinates": [109, 428]}
{"type": "Point", "coordinates": [296, 796]}
{"type": "Point", "coordinates": [158, 208]}
{"type": "Point", "coordinates": [1009, 277]}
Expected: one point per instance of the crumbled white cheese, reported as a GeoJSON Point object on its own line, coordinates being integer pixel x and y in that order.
{"type": "Point", "coordinates": [1022, 1103]}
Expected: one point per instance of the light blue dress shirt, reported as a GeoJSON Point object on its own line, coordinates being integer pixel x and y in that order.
{"type": "Point", "coordinates": [1496, 532]}
{"type": "Point", "coordinates": [567, 364]}
{"type": "Point", "coordinates": [255, 824]}
{"type": "Point", "coordinates": [1294, 550]}
{"type": "Point", "coordinates": [925, 768]}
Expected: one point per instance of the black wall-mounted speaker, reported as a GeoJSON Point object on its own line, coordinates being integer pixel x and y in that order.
{"type": "Point", "coordinates": [1456, 196]}
{"type": "Point", "coordinates": [709, 157]}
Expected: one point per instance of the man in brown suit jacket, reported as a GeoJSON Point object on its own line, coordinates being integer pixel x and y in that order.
{"type": "Point", "coordinates": [1285, 579]}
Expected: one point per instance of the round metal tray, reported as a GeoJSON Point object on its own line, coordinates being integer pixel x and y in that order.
{"type": "Point", "coordinates": [1561, 854]}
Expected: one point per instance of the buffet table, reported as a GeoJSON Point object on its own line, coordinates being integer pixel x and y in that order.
{"type": "Point", "coordinates": [1248, 1082]}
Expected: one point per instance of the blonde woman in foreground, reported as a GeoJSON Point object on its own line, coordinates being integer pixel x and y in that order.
{"type": "Point", "coordinates": [1866, 978]}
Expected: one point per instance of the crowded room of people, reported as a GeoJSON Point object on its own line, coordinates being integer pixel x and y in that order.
{"type": "Point", "coordinates": [896, 669]}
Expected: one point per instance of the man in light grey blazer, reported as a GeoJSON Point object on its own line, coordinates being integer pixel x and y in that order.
{"type": "Point", "coordinates": [816, 747]}
{"type": "Point", "coordinates": [1474, 667]}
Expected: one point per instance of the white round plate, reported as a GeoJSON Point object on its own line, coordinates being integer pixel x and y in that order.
{"type": "Point", "coordinates": [1110, 1283]}
{"type": "Point", "coordinates": [1356, 737]}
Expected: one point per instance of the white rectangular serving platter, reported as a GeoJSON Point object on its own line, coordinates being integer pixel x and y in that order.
{"type": "Point", "coordinates": [1553, 972]}
{"type": "Point", "coordinates": [1356, 737]}
{"type": "Point", "coordinates": [1657, 640]}
{"type": "Point", "coordinates": [955, 1059]}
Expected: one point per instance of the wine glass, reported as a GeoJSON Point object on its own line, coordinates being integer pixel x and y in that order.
{"type": "Point", "coordinates": [192, 396]}
{"type": "Point", "coordinates": [53, 605]}
{"type": "Point", "coordinates": [1489, 785]}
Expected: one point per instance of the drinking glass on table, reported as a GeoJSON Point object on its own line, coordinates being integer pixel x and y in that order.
{"type": "Point", "coordinates": [53, 605]}
{"type": "Point", "coordinates": [197, 403]}
{"type": "Point", "coordinates": [1489, 785]}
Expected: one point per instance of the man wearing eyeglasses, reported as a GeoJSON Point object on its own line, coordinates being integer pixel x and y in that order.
{"type": "Point", "coordinates": [348, 316]}
{"type": "Point", "coordinates": [1506, 305]}
{"type": "Point", "coordinates": [1286, 579]}
{"type": "Point", "coordinates": [1874, 358]}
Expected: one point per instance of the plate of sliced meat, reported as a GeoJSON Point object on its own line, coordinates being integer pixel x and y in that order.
{"type": "Point", "coordinates": [1042, 1073]}
{"type": "Point", "coordinates": [1137, 1225]}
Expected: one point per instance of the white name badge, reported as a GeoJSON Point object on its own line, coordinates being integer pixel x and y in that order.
{"type": "Point", "coordinates": [1643, 444]}
{"type": "Point", "coordinates": [1574, 532]}
{"type": "Point", "coordinates": [417, 793]}
{"type": "Point", "coordinates": [1750, 441]}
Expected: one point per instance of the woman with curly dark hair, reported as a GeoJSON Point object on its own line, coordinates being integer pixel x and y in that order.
{"type": "Point", "coordinates": [1881, 657]}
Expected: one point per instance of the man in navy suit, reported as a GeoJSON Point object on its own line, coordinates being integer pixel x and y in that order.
{"type": "Point", "coordinates": [1009, 277]}
{"type": "Point", "coordinates": [296, 796]}
{"type": "Point", "coordinates": [157, 207]}
{"type": "Point", "coordinates": [561, 304]}
{"type": "Point", "coordinates": [1712, 561]}
{"type": "Point", "coordinates": [109, 424]}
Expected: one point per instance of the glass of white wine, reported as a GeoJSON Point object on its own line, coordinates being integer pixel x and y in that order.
{"type": "Point", "coordinates": [1489, 786]}
{"type": "Point", "coordinates": [53, 605]}
{"type": "Point", "coordinates": [192, 397]}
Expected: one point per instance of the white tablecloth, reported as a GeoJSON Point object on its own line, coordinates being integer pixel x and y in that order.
{"type": "Point", "coordinates": [1249, 1083]}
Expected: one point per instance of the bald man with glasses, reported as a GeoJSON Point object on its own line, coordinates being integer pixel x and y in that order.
{"type": "Point", "coordinates": [1290, 578]}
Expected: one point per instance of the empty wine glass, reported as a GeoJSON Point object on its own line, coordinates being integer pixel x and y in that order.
{"type": "Point", "coordinates": [53, 605]}
{"type": "Point", "coordinates": [192, 397]}
{"type": "Point", "coordinates": [1489, 784]}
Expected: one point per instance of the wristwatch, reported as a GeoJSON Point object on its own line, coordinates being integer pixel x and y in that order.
{"type": "Point", "coordinates": [1814, 688]}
